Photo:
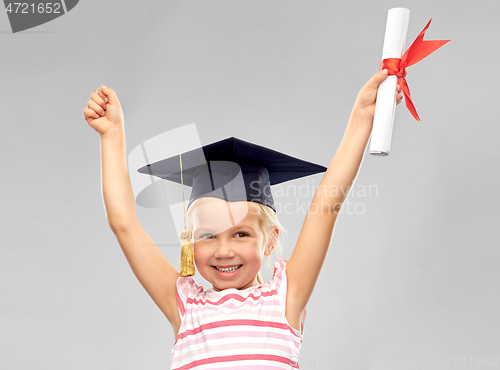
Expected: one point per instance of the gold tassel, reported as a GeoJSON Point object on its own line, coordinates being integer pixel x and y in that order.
{"type": "Point", "coordinates": [187, 258]}
{"type": "Point", "coordinates": [187, 263]}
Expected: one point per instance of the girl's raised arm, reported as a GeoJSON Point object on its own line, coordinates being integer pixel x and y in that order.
{"type": "Point", "coordinates": [307, 259]}
{"type": "Point", "coordinates": [152, 269]}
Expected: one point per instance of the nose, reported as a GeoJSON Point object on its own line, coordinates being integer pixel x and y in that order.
{"type": "Point", "coordinates": [223, 250]}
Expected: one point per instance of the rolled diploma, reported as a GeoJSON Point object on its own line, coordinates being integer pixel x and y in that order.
{"type": "Point", "coordinates": [385, 107]}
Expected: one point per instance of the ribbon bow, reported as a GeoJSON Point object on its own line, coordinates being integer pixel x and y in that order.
{"type": "Point", "coordinates": [414, 54]}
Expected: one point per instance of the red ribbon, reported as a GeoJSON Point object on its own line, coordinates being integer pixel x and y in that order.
{"type": "Point", "coordinates": [414, 54]}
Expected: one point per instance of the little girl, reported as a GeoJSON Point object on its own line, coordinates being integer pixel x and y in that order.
{"type": "Point", "coordinates": [241, 322]}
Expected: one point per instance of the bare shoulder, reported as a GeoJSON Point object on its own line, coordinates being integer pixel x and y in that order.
{"type": "Point", "coordinates": [176, 325]}
{"type": "Point", "coordinates": [293, 310]}
{"type": "Point", "coordinates": [293, 313]}
{"type": "Point", "coordinates": [174, 317]}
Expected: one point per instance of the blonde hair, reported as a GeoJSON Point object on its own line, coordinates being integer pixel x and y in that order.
{"type": "Point", "coordinates": [267, 219]}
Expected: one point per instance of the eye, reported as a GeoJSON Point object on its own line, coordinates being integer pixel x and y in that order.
{"type": "Point", "coordinates": [206, 236]}
{"type": "Point", "coordinates": [242, 233]}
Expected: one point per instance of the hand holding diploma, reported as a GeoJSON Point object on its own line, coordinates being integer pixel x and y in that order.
{"type": "Point", "coordinates": [395, 36]}
{"type": "Point", "coordinates": [364, 107]}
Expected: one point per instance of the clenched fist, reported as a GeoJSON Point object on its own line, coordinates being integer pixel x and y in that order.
{"type": "Point", "coordinates": [104, 112]}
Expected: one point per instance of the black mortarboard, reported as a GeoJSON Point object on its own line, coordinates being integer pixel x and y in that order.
{"type": "Point", "coordinates": [233, 170]}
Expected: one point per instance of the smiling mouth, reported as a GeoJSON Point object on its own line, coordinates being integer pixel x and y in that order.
{"type": "Point", "coordinates": [227, 269]}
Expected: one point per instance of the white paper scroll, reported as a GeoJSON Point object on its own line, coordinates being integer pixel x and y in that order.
{"type": "Point", "coordinates": [385, 107]}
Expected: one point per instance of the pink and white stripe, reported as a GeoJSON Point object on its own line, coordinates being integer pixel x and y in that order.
{"type": "Point", "coordinates": [236, 329]}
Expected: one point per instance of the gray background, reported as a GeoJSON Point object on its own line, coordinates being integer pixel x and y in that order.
{"type": "Point", "coordinates": [411, 278]}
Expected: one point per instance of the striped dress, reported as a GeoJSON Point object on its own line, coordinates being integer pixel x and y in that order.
{"type": "Point", "coordinates": [236, 329]}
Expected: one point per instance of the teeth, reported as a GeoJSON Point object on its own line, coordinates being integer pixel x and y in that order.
{"type": "Point", "coordinates": [230, 269]}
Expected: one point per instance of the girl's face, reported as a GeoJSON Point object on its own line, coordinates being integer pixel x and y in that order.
{"type": "Point", "coordinates": [228, 235]}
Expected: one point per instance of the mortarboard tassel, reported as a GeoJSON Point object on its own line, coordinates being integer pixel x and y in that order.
{"type": "Point", "coordinates": [187, 262]}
